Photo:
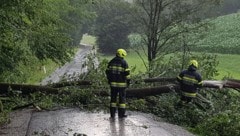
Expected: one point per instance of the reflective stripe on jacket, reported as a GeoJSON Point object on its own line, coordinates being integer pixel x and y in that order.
{"type": "Point", "coordinates": [189, 81]}
{"type": "Point", "coordinates": [118, 72]}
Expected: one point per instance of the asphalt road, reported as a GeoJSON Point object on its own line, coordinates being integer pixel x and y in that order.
{"type": "Point", "coordinates": [74, 122]}
{"type": "Point", "coordinates": [71, 69]}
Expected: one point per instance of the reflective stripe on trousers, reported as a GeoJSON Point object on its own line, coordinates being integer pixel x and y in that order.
{"type": "Point", "coordinates": [189, 94]}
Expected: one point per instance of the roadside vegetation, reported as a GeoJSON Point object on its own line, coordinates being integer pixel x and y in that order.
{"type": "Point", "coordinates": [215, 46]}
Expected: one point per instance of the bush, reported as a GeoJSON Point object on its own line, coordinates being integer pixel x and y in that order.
{"type": "Point", "coordinates": [222, 124]}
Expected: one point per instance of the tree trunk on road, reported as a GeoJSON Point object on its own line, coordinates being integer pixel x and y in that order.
{"type": "Point", "coordinates": [73, 83]}
{"type": "Point", "coordinates": [26, 89]}
{"type": "Point", "coordinates": [131, 92]}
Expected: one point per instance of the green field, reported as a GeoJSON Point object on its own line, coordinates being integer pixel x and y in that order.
{"type": "Point", "coordinates": [228, 64]}
{"type": "Point", "coordinates": [88, 39]}
{"type": "Point", "coordinates": [224, 38]}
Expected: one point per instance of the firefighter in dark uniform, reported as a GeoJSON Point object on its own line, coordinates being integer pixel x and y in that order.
{"type": "Point", "coordinates": [118, 75]}
{"type": "Point", "coordinates": [190, 80]}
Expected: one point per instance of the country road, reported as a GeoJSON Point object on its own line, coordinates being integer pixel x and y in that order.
{"type": "Point", "coordinates": [76, 122]}
{"type": "Point", "coordinates": [72, 68]}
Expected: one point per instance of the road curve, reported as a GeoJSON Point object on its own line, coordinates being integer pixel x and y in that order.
{"type": "Point", "coordinates": [73, 122]}
{"type": "Point", "coordinates": [70, 69]}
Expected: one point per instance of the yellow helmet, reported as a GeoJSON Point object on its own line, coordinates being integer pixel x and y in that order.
{"type": "Point", "coordinates": [194, 63]}
{"type": "Point", "coordinates": [121, 53]}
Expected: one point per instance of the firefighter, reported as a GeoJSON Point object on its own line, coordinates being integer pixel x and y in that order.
{"type": "Point", "coordinates": [118, 75]}
{"type": "Point", "coordinates": [190, 80]}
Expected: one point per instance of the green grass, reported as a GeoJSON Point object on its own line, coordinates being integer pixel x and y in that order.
{"type": "Point", "coordinates": [88, 39]}
{"type": "Point", "coordinates": [38, 74]}
{"type": "Point", "coordinates": [224, 36]}
{"type": "Point", "coordinates": [133, 60]}
{"type": "Point", "coordinates": [229, 65]}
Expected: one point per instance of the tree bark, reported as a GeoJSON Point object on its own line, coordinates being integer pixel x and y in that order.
{"type": "Point", "coordinates": [143, 92]}
{"type": "Point", "coordinates": [70, 83]}
{"type": "Point", "coordinates": [131, 92]}
{"type": "Point", "coordinates": [26, 89]}
{"type": "Point", "coordinates": [162, 79]}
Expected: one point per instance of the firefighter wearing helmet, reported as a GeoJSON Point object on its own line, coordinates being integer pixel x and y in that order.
{"type": "Point", "coordinates": [190, 80]}
{"type": "Point", "coordinates": [118, 75]}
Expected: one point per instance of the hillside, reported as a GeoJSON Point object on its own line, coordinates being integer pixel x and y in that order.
{"type": "Point", "coordinates": [224, 37]}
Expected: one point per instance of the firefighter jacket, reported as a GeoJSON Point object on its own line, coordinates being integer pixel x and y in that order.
{"type": "Point", "coordinates": [118, 73]}
{"type": "Point", "coordinates": [189, 81]}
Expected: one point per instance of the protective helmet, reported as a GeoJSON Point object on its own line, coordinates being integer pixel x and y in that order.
{"type": "Point", "coordinates": [121, 53]}
{"type": "Point", "coordinates": [193, 63]}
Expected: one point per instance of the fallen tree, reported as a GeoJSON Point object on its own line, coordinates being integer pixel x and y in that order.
{"type": "Point", "coordinates": [228, 83]}
{"type": "Point", "coordinates": [174, 87]}
{"type": "Point", "coordinates": [131, 92]}
{"type": "Point", "coordinates": [26, 89]}
{"type": "Point", "coordinates": [51, 88]}
{"type": "Point", "coordinates": [143, 92]}
{"type": "Point", "coordinates": [70, 83]}
{"type": "Point", "coordinates": [163, 79]}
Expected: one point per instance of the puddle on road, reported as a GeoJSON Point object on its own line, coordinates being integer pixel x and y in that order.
{"type": "Point", "coordinates": [73, 122]}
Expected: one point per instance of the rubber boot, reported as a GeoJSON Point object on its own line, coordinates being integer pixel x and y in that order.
{"type": "Point", "coordinates": [112, 112]}
{"type": "Point", "coordinates": [121, 113]}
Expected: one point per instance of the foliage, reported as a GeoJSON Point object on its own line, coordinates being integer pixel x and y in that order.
{"type": "Point", "coordinates": [224, 120]}
{"type": "Point", "coordinates": [4, 117]}
{"type": "Point", "coordinates": [112, 26]}
{"type": "Point", "coordinates": [170, 67]}
{"type": "Point", "coordinates": [38, 30]}
{"type": "Point", "coordinates": [222, 124]}
{"type": "Point", "coordinates": [224, 115]}
{"type": "Point", "coordinates": [137, 104]}
{"type": "Point", "coordinates": [192, 115]}
{"type": "Point", "coordinates": [163, 24]}
{"type": "Point", "coordinates": [78, 17]}
{"type": "Point", "coordinates": [223, 37]}
{"type": "Point", "coordinates": [13, 27]}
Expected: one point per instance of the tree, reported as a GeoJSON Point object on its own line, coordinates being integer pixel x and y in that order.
{"type": "Point", "coordinates": [165, 22]}
{"type": "Point", "coordinates": [113, 25]}
{"type": "Point", "coordinates": [38, 30]}
{"type": "Point", "coordinates": [14, 26]}
{"type": "Point", "coordinates": [78, 19]}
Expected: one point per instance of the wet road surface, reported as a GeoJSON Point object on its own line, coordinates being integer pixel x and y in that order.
{"type": "Point", "coordinates": [71, 69]}
{"type": "Point", "coordinates": [71, 122]}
